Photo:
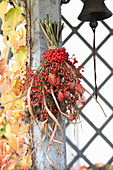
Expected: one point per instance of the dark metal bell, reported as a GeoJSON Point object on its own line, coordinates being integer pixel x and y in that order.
{"type": "Point", "coordinates": [94, 9]}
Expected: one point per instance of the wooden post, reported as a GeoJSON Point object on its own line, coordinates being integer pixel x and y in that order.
{"type": "Point", "coordinates": [36, 12]}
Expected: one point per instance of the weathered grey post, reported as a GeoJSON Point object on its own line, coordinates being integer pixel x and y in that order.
{"type": "Point", "coordinates": [36, 12]}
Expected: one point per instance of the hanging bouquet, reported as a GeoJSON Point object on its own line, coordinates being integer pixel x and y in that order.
{"type": "Point", "coordinates": [55, 88]}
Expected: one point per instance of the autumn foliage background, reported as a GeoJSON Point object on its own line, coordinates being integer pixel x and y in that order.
{"type": "Point", "coordinates": [14, 137]}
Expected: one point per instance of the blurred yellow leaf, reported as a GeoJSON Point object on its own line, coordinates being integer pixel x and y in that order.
{"type": "Point", "coordinates": [5, 30]}
{"type": "Point", "coordinates": [3, 7]}
{"type": "Point", "coordinates": [15, 84]}
{"type": "Point", "coordinates": [26, 162]}
{"type": "Point", "coordinates": [6, 97]}
{"type": "Point", "coordinates": [14, 143]}
{"type": "Point", "coordinates": [8, 133]}
{"type": "Point", "coordinates": [15, 68]}
{"type": "Point", "coordinates": [13, 15]}
{"type": "Point", "coordinates": [15, 126]}
{"type": "Point", "coordinates": [4, 52]}
{"type": "Point", "coordinates": [17, 38]}
{"type": "Point", "coordinates": [23, 131]}
{"type": "Point", "coordinates": [21, 56]}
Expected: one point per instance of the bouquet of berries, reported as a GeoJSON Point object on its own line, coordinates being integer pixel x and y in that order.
{"type": "Point", "coordinates": [56, 86]}
{"type": "Point", "coordinates": [53, 90]}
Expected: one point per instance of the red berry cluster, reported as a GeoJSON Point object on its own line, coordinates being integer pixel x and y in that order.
{"type": "Point", "coordinates": [59, 55]}
{"type": "Point", "coordinates": [56, 75]}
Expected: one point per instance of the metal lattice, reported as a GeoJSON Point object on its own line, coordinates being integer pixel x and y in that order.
{"type": "Point", "coordinates": [98, 131]}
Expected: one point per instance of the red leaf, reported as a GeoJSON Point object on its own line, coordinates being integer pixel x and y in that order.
{"type": "Point", "coordinates": [53, 80]}
{"type": "Point", "coordinates": [57, 81]}
{"type": "Point", "coordinates": [79, 89]}
{"type": "Point", "coordinates": [67, 95]}
{"type": "Point", "coordinates": [61, 96]}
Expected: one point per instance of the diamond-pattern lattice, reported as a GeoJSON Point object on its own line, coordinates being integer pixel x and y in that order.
{"type": "Point", "coordinates": [80, 36]}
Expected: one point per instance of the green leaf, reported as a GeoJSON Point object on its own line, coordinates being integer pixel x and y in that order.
{"type": "Point", "coordinates": [21, 55]}
{"type": "Point", "coordinates": [13, 16]}
{"type": "Point", "coordinates": [4, 128]}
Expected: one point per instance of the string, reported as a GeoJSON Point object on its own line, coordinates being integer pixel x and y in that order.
{"type": "Point", "coordinates": [94, 57]}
